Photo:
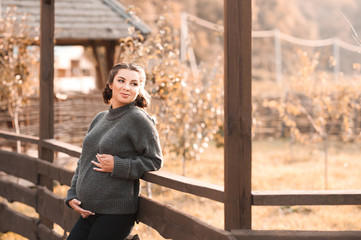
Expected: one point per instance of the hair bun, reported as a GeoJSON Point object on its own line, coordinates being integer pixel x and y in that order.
{"type": "Point", "coordinates": [107, 94]}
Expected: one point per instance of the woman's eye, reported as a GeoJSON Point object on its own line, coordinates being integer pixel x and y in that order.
{"type": "Point", "coordinates": [135, 84]}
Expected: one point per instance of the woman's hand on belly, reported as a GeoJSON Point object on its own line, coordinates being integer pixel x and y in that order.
{"type": "Point", "coordinates": [105, 163]}
{"type": "Point", "coordinates": [75, 204]}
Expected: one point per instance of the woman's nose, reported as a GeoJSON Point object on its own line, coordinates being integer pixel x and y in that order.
{"type": "Point", "coordinates": [126, 86]}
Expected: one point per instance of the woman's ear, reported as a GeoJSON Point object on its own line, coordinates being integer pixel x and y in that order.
{"type": "Point", "coordinates": [110, 85]}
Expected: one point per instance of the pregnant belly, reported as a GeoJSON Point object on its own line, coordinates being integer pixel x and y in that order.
{"type": "Point", "coordinates": [101, 186]}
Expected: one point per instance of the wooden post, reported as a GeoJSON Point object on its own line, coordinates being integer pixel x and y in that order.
{"type": "Point", "coordinates": [100, 82]}
{"type": "Point", "coordinates": [46, 99]}
{"type": "Point", "coordinates": [238, 114]}
{"type": "Point", "coordinates": [110, 54]}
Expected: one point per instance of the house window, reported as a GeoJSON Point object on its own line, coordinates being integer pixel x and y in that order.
{"type": "Point", "coordinates": [75, 69]}
{"type": "Point", "coordinates": [61, 72]}
{"type": "Point", "coordinates": [86, 72]}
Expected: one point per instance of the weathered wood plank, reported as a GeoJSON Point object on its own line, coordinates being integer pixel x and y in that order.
{"type": "Point", "coordinates": [110, 54]}
{"type": "Point", "coordinates": [295, 235]}
{"type": "Point", "coordinates": [53, 207]}
{"type": "Point", "coordinates": [184, 184]}
{"type": "Point", "coordinates": [46, 100]}
{"type": "Point", "coordinates": [28, 168]}
{"type": "Point", "coordinates": [20, 137]}
{"type": "Point", "coordinates": [12, 221]}
{"type": "Point", "coordinates": [63, 147]}
{"type": "Point", "coordinates": [174, 224]}
{"type": "Point", "coordinates": [45, 233]}
{"type": "Point", "coordinates": [60, 174]}
{"type": "Point", "coordinates": [238, 113]}
{"type": "Point", "coordinates": [25, 167]}
{"type": "Point", "coordinates": [100, 75]}
{"type": "Point", "coordinates": [322, 197]}
{"type": "Point", "coordinates": [19, 165]}
{"type": "Point", "coordinates": [42, 200]}
{"type": "Point", "coordinates": [46, 86]}
{"type": "Point", "coordinates": [15, 192]}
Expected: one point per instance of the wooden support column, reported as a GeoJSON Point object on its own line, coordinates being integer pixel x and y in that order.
{"type": "Point", "coordinates": [238, 114]}
{"type": "Point", "coordinates": [100, 81]}
{"type": "Point", "coordinates": [46, 99]}
{"type": "Point", "coordinates": [110, 52]}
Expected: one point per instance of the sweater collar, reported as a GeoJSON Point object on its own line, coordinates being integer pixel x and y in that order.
{"type": "Point", "coordinates": [115, 113]}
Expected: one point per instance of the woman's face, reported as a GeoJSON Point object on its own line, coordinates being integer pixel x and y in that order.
{"type": "Point", "coordinates": [125, 87]}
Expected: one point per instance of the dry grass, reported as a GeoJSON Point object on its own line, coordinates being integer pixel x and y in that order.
{"type": "Point", "coordinates": [274, 169]}
{"type": "Point", "coordinates": [276, 166]}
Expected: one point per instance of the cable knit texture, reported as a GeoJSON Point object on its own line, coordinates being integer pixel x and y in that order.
{"type": "Point", "coordinates": [129, 134]}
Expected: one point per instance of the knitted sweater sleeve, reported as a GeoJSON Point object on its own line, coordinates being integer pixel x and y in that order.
{"type": "Point", "coordinates": [71, 194]}
{"type": "Point", "coordinates": [149, 154]}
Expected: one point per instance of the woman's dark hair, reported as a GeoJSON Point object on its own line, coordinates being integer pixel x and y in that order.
{"type": "Point", "coordinates": [143, 98]}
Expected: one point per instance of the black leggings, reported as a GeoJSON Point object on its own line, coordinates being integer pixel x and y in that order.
{"type": "Point", "coordinates": [103, 226]}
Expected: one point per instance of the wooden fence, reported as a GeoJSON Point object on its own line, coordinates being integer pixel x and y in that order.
{"type": "Point", "coordinates": [169, 222]}
{"type": "Point", "coordinates": [73, 115]}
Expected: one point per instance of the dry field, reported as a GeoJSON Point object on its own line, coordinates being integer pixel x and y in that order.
{"type": "Point", "coordinates": [273, 169]}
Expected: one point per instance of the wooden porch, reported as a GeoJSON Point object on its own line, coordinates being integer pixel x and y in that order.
{"type": "Point", "coordinates": [236, 194]}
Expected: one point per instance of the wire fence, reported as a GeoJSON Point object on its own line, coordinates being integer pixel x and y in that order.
{"type": "Point", "coordinates": [280, 39]}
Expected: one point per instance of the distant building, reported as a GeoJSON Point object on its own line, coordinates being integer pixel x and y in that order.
{"type": "Point", "coordinates": [98, 24]}
{"type": "Point", "coordinates": [73, 71]}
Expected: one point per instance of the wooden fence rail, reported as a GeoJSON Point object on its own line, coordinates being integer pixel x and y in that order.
{"type": "Point", "coordinates": [206, 190]}
{"type": "Point", "coordinates": [295, 235]}
{"type": "Point", "coordinates": [169, 222]}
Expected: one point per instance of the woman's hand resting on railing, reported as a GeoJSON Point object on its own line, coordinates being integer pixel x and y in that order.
{"type": "Point", "coordinates": [75, 204]}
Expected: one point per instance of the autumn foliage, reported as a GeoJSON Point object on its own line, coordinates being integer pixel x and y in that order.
{"type": "Point", "coordinates": [18, 63]}
{"type": "Point", "coordinates": [328, 106]}
{"type": "Point", "coordinates": [188, 108]}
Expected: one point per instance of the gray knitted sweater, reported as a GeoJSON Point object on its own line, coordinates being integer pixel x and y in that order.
{"type": "Point", "coordinates": [129, 134]}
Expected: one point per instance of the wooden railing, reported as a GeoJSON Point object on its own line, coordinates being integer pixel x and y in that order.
{"type": "Point", "coordinates": [169, 222]}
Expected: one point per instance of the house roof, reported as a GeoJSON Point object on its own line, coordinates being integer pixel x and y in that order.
{"type": "Point", "coordinates": [82, 20]}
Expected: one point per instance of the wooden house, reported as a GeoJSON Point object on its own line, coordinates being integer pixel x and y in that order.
{"type": "Point", "coordinates": [95, 23]}
{"type": "Point", "coordinates": [73, 70]}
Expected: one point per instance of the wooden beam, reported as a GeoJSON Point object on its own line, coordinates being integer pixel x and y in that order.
{"type": "Point", "coordinates": [110, 54]}
{"type": "Point", "coordinates": [295, 235]}
{"type": "Point", "coordinates": [58, 173]}
{"type": "Point", "coordinates": [63, 147]}
{"type": "Point", "coordinates": [26, 167]}
{"type": "Point", "coordinates": [322, 197]}
{"type": "Point", "coordinates": [19, 165]}
{"type": "Point", "coordinates": [184, 184]}
{"type": "Point", "coordinates": [19, 137]}
{"type": "Point", "coordinates": [100, 81]}
{"type": "Point", "coordinates": [53, 207]}
{"type": "Point", "coordinates": [16, 192]}
{"type": "Point", "coordinates": [238, 113]}
{"type": "Point", "coordinates": [46, 100]}
{"type": "Point", "coordinates": [46, 121]}
{"type": "Point", "coordinates": [177, 225]}
{"type": "Point", "coordinates": [13, 221]}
